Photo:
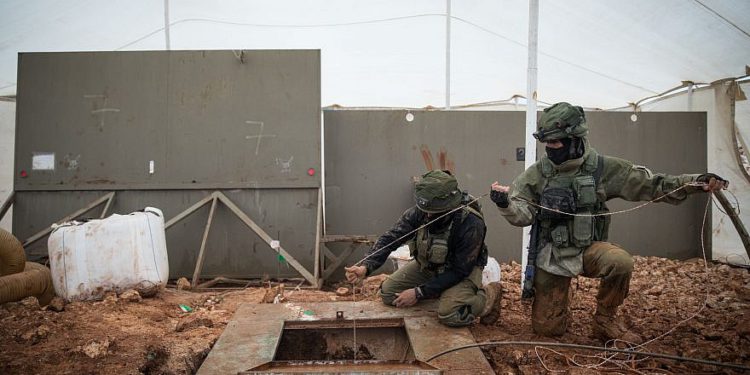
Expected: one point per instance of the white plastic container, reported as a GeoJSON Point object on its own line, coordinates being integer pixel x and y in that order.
{"type": "Point", "coordinates": [491, 272]}
{"type": "Point", "coordinates": [118, 253]}
{"type": "Point", "coordinates": [401, 256]}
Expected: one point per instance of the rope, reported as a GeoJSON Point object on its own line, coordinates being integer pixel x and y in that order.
{"type": "Point", "coordinates": [590, 347]}
{"type": "Point", "coordinates": [689, 184]}
{"type": "Point", "coordinates": [420, 227]}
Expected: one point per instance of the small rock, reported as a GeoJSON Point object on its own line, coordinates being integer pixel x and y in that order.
{"type": "Point", "coordinates": [192, 321]}
{"type": "Point", "coordinates": [57, 304]}
{"type": "Point", "coordinates": [655, 291]}
{"type": "Point", "coordinates": [110, 298]}
{"type": "Point", "coordinates": [131, 296]}
{"type": "Point", "coordinates": [183, 284]}
{"type": "Point", "coordinates": [35, 335]}
{"type": "Point", "coordinates": [343, 291]}
{"type": "Point", "coordinates": [274, 294]}
{"type": "Point", "coordinates": [743, 292]}
{"type": "Point", "coordinates": [711, 334]}
{"type": "Point", "coordinates": [30, 303]}
{"type": "Point", "coordinates": [95, 349]}
{"type": "Point", "coordinates": [529, 370]}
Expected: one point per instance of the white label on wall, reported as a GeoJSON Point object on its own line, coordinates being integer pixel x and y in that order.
{"type": "Point", "coordinates": [43, 161]}
{"type": "Point", "coordinates": [151, 167]}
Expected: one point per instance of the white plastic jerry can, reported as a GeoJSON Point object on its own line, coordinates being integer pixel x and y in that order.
{"type": "Point", "coordinates": [121, 252]}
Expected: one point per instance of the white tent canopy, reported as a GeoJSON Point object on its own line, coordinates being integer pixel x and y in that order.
{"type": "Point", "coordinates": [600, 54]}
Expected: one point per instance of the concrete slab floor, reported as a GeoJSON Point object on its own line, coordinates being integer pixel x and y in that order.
{"type": "Point", "coordinates": [253, 336]}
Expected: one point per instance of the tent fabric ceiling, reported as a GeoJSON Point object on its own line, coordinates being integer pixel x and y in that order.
{"type": "Point", "coordinates": [601, 54]}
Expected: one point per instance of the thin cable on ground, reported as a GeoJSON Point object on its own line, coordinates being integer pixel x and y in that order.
{"type": "Point", "coordinates": [590, 347]}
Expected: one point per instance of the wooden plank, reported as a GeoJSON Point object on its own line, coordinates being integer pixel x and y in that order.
{"type": "Point", "coordinates": [72, 216]}
{"type": "Point", "coordinates": [265, 237]}
{"type": "Point", "coordinates": [189, 210]}
{"type": "Point", "coordinates": [318, 227]}
{"type": "Point", "coordinates": [328, 253]}
{"type": "Point", "coordinates": [6, 205]}
{"type": "Point", "coordinates": [106, 206]}
{"type": "Point", "coordinates": [367, 238]}
{"type": "Point", "coordinates": [341, 258]}
{"type": "Point", "coordinates": [201, 252]}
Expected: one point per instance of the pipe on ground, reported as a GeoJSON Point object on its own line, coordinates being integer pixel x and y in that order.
{"type": "Point", "coordinates": [24, 280]}
{"type": "Point", "coordinates": [12, 257]}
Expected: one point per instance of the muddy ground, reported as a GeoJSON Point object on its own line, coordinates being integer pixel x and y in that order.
{"type": "Point", "coordinates": [122, 335]}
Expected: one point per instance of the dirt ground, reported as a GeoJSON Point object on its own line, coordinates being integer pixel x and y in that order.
{"type": "Point", "coordinates": [122, 335]}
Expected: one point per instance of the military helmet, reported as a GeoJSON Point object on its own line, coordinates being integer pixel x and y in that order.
{"type": "Point", "coordinates": [562, 120]}
{"type": "Point", "coordinates": [436, 192]}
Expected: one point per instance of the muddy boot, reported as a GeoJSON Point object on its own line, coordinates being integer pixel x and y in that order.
{"type": "Point", "coordinates": [491, 312]}
{"type": "Point", "coordinates": [607, 326]}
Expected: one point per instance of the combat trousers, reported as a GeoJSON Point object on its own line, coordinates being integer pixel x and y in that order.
{"type": "Point", "coordinates": [604, 260]}
{"type": "Point", "coordinates": [458, 305]}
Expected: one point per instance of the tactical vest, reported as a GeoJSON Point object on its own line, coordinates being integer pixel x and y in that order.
{"type": "Point", "coordinates": [576, 193]}
{"type": "Point", "coordinates": [431, 249]}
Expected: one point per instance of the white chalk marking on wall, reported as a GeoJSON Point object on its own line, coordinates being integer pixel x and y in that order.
{"type": "Point", "coordinates": [103, 109]}
{"type": "Point", "coordinates": [43, 161]}
{"type": "Point", "coordinates": [260, 134]}
{"type": "Point", "coordinates": [286, 165]}
{"type": "Point", "coordinates": [71, 161]}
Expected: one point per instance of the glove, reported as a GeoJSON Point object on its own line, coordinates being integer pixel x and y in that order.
{"type": "Point", "coordinates": [713, 182]}
{"type": "Point", "coordinates": [500, 198]}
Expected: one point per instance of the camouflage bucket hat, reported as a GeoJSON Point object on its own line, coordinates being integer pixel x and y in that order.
{"type": "Point", "coordinates": [437, 192]}
{"type": "Point", "coordinates": [562, 120]}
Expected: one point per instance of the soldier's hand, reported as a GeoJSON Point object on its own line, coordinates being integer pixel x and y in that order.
{"type": "Point", "coordinates": [499, 194]}
{"type": "Point", "coordinates": [712, 182]}
{"type": "Point", "coordinates": [355, 273]}
{"type": "Point", "coordinates": [406, 298]}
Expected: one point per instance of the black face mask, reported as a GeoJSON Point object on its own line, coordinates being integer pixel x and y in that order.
{"type": "Point", "coordinates": [572, 149]}
{"type": "Point", "coordinates": [440, 223]}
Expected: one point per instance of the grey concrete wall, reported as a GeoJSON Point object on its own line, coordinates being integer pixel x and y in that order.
{"type": "Point", "coordinates": [205, 119]}
{"type": "Point", "coordinates": [371, 156]}
{"type": "Point", "coordinates": [248, 125]}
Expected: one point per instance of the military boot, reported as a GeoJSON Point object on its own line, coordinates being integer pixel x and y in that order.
{"type": "Point", "coordinates": [607, 326]}
{"type": "Point", "coordinates": [491, 312]}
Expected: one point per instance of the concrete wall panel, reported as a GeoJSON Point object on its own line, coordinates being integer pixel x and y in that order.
{"type": "Point", "coordinates": [206, 119]}
{"type": "Point", "coordinates": [371, 156]}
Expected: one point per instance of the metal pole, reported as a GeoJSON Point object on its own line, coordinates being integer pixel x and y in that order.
{"type": "Point", "coordinates": [447, 54]}
{"type": "Point", "coordinates": [166, 23]}
{"type": "Point", "coordinates": [531, 86]}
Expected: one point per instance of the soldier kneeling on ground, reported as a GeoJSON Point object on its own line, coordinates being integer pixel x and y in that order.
{"type": "Point", "coordinates": [449, 255]}
{"type": "Point", "coordinates": [562, 196]}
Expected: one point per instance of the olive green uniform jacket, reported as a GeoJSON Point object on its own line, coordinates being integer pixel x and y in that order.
{"type": "Point", "coordinates": [617, 178]}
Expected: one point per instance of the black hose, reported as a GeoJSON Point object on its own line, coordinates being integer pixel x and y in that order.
{"type": "Point", "coordinates": [590, 347]}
